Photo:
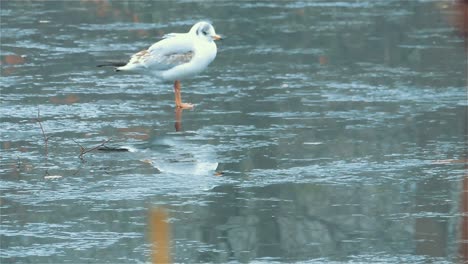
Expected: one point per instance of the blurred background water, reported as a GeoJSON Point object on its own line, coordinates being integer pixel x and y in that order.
{"type": "Point", "coordinates": [323, 131]}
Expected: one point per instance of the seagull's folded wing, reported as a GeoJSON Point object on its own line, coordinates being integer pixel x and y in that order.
{"type": "Point", "coordinates": [171, 52]}
{"type": "Point", "coordinates": [164, 54]}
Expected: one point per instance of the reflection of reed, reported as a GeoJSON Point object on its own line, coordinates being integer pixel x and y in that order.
{"type": "Point", "coordinates": [160, 236]}
{"type": "Point", "coordinates": [44, 135]}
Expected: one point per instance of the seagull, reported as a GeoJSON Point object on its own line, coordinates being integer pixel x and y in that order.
{"type": "Point", "coordinates": [176, 57]}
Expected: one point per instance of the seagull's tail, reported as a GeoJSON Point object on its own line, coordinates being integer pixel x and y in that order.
{"type": "Point", "coordinates": [112, 64]}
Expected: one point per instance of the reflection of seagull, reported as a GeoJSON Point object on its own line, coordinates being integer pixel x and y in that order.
{"type": "Point", "coordinates": [177, 56]}
{"type": "Point", "coordinates": [194, 159]}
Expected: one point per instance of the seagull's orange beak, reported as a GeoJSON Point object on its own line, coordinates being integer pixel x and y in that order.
{"type": "Point", "coordinates": [217, 37]}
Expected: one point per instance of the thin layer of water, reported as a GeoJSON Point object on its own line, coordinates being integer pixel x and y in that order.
{"type": "Point", "coordinates": [323, 131]}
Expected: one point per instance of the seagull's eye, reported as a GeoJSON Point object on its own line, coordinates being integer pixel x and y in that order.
{"type": "Point", "coordinates": [204, 32]}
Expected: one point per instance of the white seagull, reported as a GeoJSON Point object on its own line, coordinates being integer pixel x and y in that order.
{"type": "Point", "coordinates": [176, 57]}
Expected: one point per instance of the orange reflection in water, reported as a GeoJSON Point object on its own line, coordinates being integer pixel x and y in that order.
{"type": "Point", "coordinates": [460, 17]}
{"type": "Point", "coordinates": [13, 59]}
{"type": "Point", "coordinates": [140, 133]}
{"type": "Point", "coordinates": [160, 235]}
{"type": "Point", "coordinates": [104, 9]}
{"type": "Point", "coordinates": [323, 60]}
{"type": "Point", "coordinates": [69, 99]}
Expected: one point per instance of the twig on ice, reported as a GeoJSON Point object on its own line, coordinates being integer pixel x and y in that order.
{"type": "Point", "coordinates": [83, 150]}
{"type": "Point", "coordinates": [44, 135]}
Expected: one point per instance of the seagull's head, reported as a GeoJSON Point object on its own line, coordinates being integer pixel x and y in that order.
{"type": "Point", "coordinates": [204, 30]}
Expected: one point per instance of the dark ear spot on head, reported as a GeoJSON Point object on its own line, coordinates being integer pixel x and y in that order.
{"type": "Point", "coordinates": [203, 29]}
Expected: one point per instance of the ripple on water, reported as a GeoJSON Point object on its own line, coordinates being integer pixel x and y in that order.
{"type": "Point", "coordinates": [366, 172]}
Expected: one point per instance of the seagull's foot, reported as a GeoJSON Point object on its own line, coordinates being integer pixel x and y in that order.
{"type": "Point", "coordinates": [185, 106]}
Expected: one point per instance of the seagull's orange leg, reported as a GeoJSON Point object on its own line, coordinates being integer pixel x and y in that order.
{"type": "Point", "coordinates": [178, 98]}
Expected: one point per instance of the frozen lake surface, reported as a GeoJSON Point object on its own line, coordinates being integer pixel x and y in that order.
{"type": "Point", "coordinates": [323, 131]}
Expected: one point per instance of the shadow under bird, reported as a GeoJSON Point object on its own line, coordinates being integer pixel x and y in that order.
{"type": "Point", "coordinates": [176, 57]}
